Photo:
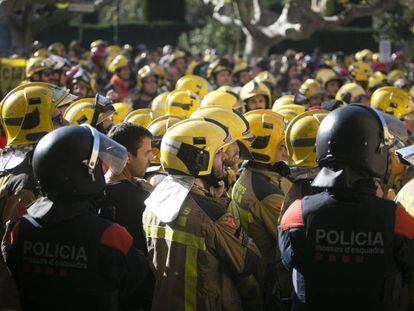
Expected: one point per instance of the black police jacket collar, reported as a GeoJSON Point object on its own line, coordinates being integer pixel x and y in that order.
{"type": "Point", "coordinates": [343, 177]}
{"type": "Point", "coordinates": [49, 212]}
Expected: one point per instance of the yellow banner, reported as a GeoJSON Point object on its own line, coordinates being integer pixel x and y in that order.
{"type": "Point", "coordinates": [12, 72]}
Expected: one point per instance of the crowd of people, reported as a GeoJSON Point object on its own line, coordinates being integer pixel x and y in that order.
{"type": "Point", "coordinates": [155, 179]}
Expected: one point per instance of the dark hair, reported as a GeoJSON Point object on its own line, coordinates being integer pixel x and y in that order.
{"type": "Point", "coordinates": [129, 135]}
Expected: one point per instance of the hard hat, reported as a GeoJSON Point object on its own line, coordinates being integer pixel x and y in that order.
{"type": "Point", "coordinates": [364, 56]}
{"type": "Point", "coordinates": [254, 88]}
{"type": "Point", "coordinates": [83, 110]}
{"type": "Point", "coordinates": [113, 50]}
{"type": "Point", "coordinates": [283, 101]}
{"type": "Point", "coordinates": [42, 53]}
{"type": "Point", "coordinates": [144, 73]}
{"type": "Point", "coordinates": [360, 71]}
{"type": "Point", "coordinates": [376, 57]}
{"type": "Point", "coordinates": [26, 111]}
{"type": "Point", "coordinates": [392, 100]}
{"type": "Point", "coordinates": [97, 43]}
{"type": "Point", "coordinates": [141, 117]}
{"type": "Point", "coordinates": [117, 63]}
{"type": "Point", "coordinates": [267, 78]}
{"type": "Point", "coordinates": [189, 146]}
{"type": "Point", "coordinates": [195, 84]}
{"type": "Point", "coordinates": [240, 67]}
{"type": "Point", "coordinates": [121, 110]}
{"type": "Point", "coordinates": [221, 98]}
{"type": "Point", "coordinates": [267, 127]}
{"type": "Point", "coordinates": [158, 128]}
{"type": "Point", "coordinates": [356, 136]}
{"type": "Point", "coordinates": [394, 75]}
{"type": "Point", "coordinates": [236, 123]}
{"type": "Point", "coordinates": [288, 112]}
{"type": "Point", "coordinates": [37, 64]}
{"type": "Point", "coordinates": [182, 103]}
{"type": "Point", "coordinates": [176, 55]}
{"type": "Point", "coordinates": [350, 93]}
{"type": "Point", "coordinates": [57, 48]}
{"type": "Point", "coordinates": [196, 68]}
{"type": "Point", "coordinates": [220, 64]}
{"type": "Point", "coordinates": [160, 73]}
{"type": "Point", "coordinates": [301, 137]}
{"type": "Point", "coordinates": [378, 79]}
{"type": "Point", "coordinates": [310, 88]}
{"type": "Point", "coordinates": [325, 75]}
{"type": "Point", "coordinates": [159, 104]}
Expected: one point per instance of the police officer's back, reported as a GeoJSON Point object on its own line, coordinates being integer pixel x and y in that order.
{"type": "Point", "coordinates": [349, 249]}
{"type": "Point", "coordinates": [62, 255]}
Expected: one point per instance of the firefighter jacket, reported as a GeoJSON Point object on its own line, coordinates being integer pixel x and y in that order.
{"type": "Point", "coordinates": [349, 249]}
{"type": "Point", "coordinates": [198, 257]}
{"type": "Point", "coordinates": [64, 257]}
{"type": "Point", "coordinates": [258, 195]}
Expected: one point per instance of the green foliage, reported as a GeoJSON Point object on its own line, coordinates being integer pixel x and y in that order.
{"type": "Point", "coordinates": [225, 39]}
{"type": "Point", "coordinates": [164, 10]}
{"type": "Point", "coordinates": [397, 24]}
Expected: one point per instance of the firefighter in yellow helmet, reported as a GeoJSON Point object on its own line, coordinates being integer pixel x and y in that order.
{"type": "Point", "coordinates": [329, 80]}
{"type": "Point", "coordinates": [364, 55]}
{"type": "Point", "coordinates": [377, 80]}
{"type": "Point", "coordinates": [288, 112]}
{"type": "Point", "coordinates": [352, 93]}
{"type": "Point", "coordinates": [159, 104]}
{"type": "Point", "coordinates": [182, 103]}
{"type": "Point", "coordinates": [188, 232]}
{"type": "Point", "coordinates": [241, 74]}
{"type": "Point", "coordinates": [195, 84]}
{"type": "Point", "coordinates": [283, 101]}
{"type": "Point", "coordinates": [121, 111]}
{"type": "Point", "coordinates": [178, 59]}
{"type": "Point", "coordinates": [96, 112]}
{"type": "Point", "coordinates": [27, 113]}
{"type": "Point", "coordinates": [238, 128]}
{"type": "Point", "coordinates": [393, 101]}
{"type": "Point", "coordinates": [256, 95]}
{"type": "Point", "coordinates": [313, 92]}
{"type": "Point", "coordinates": [394, 75]}
{"type": "Point", "coordinates": [158, 127]}
{"type": "Point", "coordinates": [219, 72]}
{"type": "Point", "coordinates": [226, 99]}
{"type": "Point", "coordinates": [147, 83]}
{"type": "Point", "coordinates": [300, 144]}
{"type": "Point", "coordinates": [38, 69]}
{"type": "Point", "coordinates": [258, 196]}
{"type": "Point", "coordinates": [120, 81]}
{"type": "Point", "coordinates": [142, 117]}
{"type": "Point", "coordinates": [268, 79]}
{"type": "Point", "coordinates": [57, 48]}
{"type": "Point", "coordinates": [360, 73]}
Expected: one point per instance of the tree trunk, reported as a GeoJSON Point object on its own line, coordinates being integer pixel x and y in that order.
{"type": "Point", "coordinates": [257, 47]}
{"type": "Point", "coordinates": [22, 31]}
{"type": "Point", "coordinates": [5, 40]}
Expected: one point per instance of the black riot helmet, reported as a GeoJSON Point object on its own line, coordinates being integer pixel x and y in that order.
{"type": "Point", "coordinates": [356, 136]}
{"type": "Point", "coordinates": [68, 161]}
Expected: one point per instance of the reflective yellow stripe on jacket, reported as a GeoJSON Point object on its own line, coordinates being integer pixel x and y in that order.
{"type": "Point", "coordinates": [193, 244]}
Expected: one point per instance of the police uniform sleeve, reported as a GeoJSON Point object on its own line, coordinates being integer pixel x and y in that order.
{"type": "Point", "coordinates": [404, 243]}
{"type": "Point", "coordinates": [292, 237]}
{"type": "Point", "coordinates": [131, 264]}
{"type": "Point", "coordinates": [234, 247]}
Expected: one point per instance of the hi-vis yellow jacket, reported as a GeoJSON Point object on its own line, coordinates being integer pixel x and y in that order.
{"type": "Point", "coordinates": [198, 258]}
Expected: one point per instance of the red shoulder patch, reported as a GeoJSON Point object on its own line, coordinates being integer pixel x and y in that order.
{"type": "Point", "coordinates": [404, 223]}
{"type": "Point", "coordinates": [293, 216]}
{"type": "Point", "coordinates": [117, 237]}
{"type": "Point", "coordinates": [14, 233]}
{"type": "Point", "coordinates": [278, 206]}
{"type": "Point", "coordinates": [230, 222]}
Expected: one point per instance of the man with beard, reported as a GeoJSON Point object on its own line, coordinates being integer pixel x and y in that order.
{"type": "Point", "coordinates": [197, 252]}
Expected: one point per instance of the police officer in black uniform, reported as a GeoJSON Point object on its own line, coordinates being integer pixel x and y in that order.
{"type": "Point", "coordinates": [349, 249]}
{"type": "Point", "coordinates": [61, 254]}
